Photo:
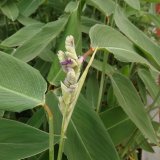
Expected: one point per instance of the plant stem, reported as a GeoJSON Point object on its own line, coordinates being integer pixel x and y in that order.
{"type": "Point", "coordinates": [51, 132]}
{"type": "Point", "coordinates": [63, 131]}
{"type": "Point", "coordinates": [101, 83]}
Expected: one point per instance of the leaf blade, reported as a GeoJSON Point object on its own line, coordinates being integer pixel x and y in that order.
{"type": "Point", "coordinates": [132, 105]}
{"type": "Point", "coordinates": [21, 86]}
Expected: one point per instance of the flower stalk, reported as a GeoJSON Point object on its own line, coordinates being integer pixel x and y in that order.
{"type": "Point", "coordinates": [71, 86]}
{"type": "Point", "coordinates": [51, 132]}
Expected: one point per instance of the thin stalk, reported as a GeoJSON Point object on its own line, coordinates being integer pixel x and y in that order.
{"type": "Point", "coordinates": [51, 132]}
{"type": "Point", "coordinates": [101, 83]}
{"type": "Point", "coordinates": [62, 138]}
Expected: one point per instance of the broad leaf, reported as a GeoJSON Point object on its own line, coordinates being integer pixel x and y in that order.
{"type": "Point", "coordinates": [18, 140]}
{"type": "Point", "coordinates": [92, 90]}
{"type": "Point", "coordinates": [107, 7]}
{"type": "Point", "coordinates": [10, 9]}
{"type": "Point", "coordinates": [21, 86]}
{"type": "Point", "coordinates": [151, 50]}
{"type": "Point", "coordinates": [105, 37]}
{"type": "Point", "coordinates": [133, 3]}
{"type": "Point", "coordinates": [28, 7]}
{"type": "Point", "coordinates": [22, 35]}
{"type": "Point", "coordinates": [35, 45]}
{"type": "Point", "coordinates": [85, 131]}
{"type": "Point", "coordinates": [131, 103]}
{"type": "Point", "coordinates": [116, 121]}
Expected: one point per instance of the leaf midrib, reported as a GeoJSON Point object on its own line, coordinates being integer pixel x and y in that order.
{"type": "Point", "coordinates": [22, 95]}
{"type": "Point", "coordinates": [81, 139]}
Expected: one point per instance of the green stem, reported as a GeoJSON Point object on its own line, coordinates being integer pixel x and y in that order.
{"type": "Point", "coordinates": [51, 132]}
{"type": "Point", "coordinates": [61, 145]}
{"type": "Point", "coordinates": [101, 83]}
{"type": "Point", "coordinates": [62, 138]}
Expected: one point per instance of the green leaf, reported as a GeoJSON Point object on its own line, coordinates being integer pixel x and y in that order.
{"type": "Point", "coordinates": [26, 21]}
{"type": "Point", "coordinates": [85, 131]}
{"type": "Point", "coordinates": [10, 9]}
{"type": "Point", "coordinates": [149, 82]}
{"type": "Point", "coordinates": [105, 37]}
{"type": "Point", "coordinates": [21, 86]}
{"type": "Point", "coordinates": [28, 7]}
{"type": "Point", "coordinates": [2, 2]}
{"type": "Point", "coordinates": [87, 23]}
{"type": "Point", "coordinates": [142, 90]}
{"type": "Point", "coordinates": [47, 55]}
{"type": "Point", "coordinates": [116, 121]}
{"type": "Point", "coordinates": [98, 66]}
{"type": "Point", "coordinates": [111, 99]}
{"type": "Point", "coordinates": [1, 113]}
{"type": "Point", "coordinates": [92, 90]}
{"type": "Point", "coordinates": [150, 49]}
{"type": "Point", "coordinates": [35, 45]}
{"type": "Point", "coordinates": [152, 1]}
{"type": "Point", "coordinates": [22, 35]}
{"type": "Point", "coordinates": [131, 103]}
{"type": "Point", "coordinates": [133, 3]}
{"type": "Point", "coordinates": [18, 140]}
{"type": "Point", "coordinates": [72, 27]}
{"type": "Point", "coordinates": [106, 7]}
{"type": "Point", "coordinates": [37, 118]}
{"type": "Point", "coordinates": [56, 74]}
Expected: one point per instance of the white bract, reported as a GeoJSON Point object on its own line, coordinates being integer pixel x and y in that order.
{"type": "Point", "coordinates": [71, 65]}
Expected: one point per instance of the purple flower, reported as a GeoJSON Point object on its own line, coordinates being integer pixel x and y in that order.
{"type": "Point", "coordinates": [66, 62]}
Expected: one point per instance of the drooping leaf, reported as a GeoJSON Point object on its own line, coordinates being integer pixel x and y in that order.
{"type": "Point", "coordinates": [22, 35]}
{"type": "Point", "coordinates": [106, 7]}
{"type": "Point", "coordinates": [35, 45]}
{"type": "Point", "coordinates": [18, 140]}
{"type": "Point", "coordinates": [131, 103]}
{"type": "Point", "coordinates": [149, 82]}
{"type": "Point", "coordinates": [133, 3]}
{"type": "Point", "coordinates": [116, 121]}
{"type": "Point", "coordinates": [105, 37]}
{"type": "Point", "coordinates": [150, 49]}
{"type": "Point", "coordinates": [27, 21]}
{"type": "Point", "coordinates": [21, 86]}
{"type": "Point", "coordinates": [86, 132]}
{"type": "Point", "coordinates": [28, 7]}
{"type": "Point", "coordinates": [10, 9]}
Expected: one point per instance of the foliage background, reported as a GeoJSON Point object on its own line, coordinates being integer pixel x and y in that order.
{"type": "Point", "coordinates": [111, 120]}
